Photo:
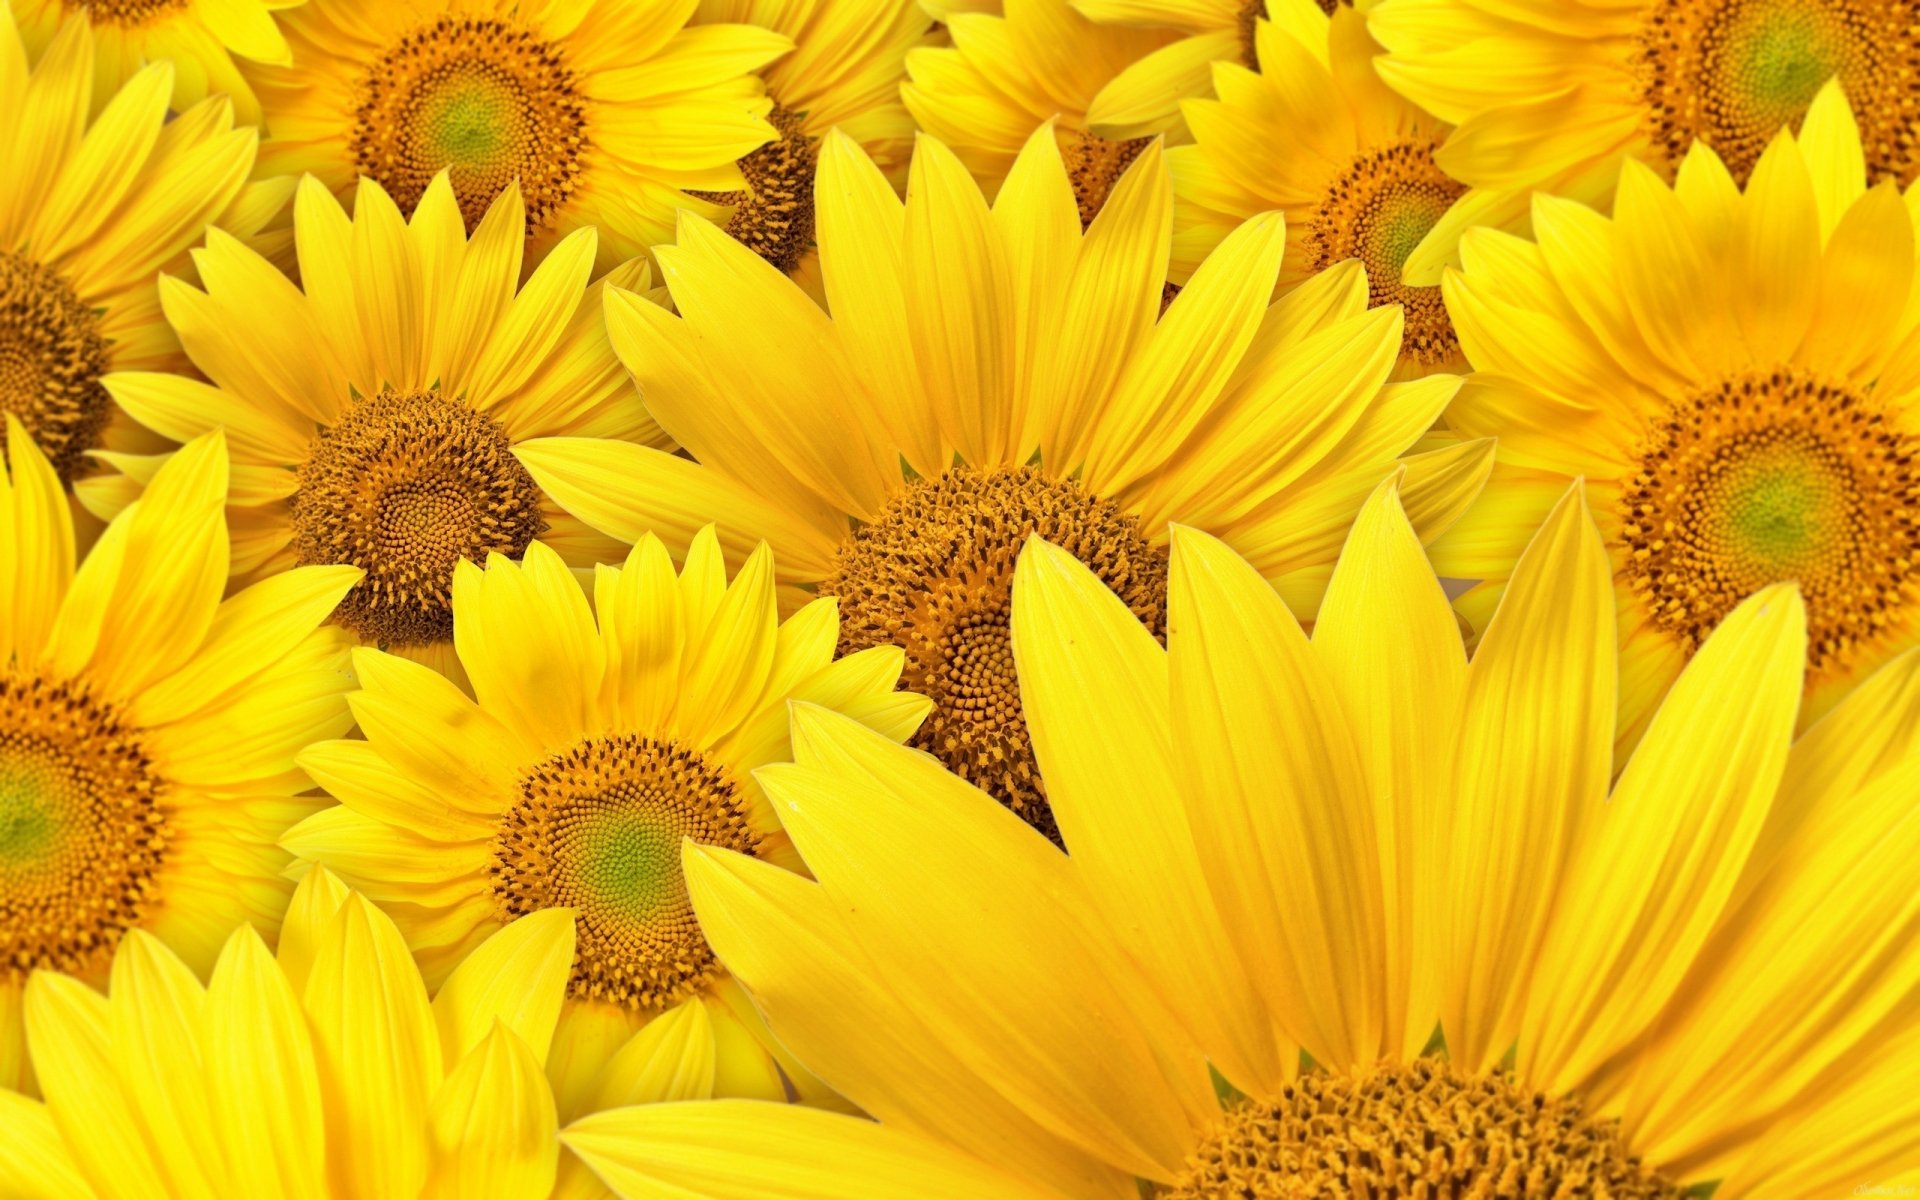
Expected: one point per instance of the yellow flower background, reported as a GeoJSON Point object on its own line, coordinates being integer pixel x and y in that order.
{"type": "Point", "coordinates": [893, 599]}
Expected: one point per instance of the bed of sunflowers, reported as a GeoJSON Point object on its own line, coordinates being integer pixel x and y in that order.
{"type": "Point", "coordinates": [915, 600]}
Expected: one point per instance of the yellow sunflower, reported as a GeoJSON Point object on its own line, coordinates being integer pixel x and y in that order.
{"type": "Point", "coordinates": [1737, 376]}
{"type": "Point", "coordinates": [320, 1072]}
{"type": "Point", "coordinates": [599, 740]}
{"type": "Point", "coordinates": [372, 415]}
{"type": "Point", "coordinates": [848, 61]}
{"type": "Point", "coordinates": [1384, 894]}
{"type": "Point", "coordinates": [1006, 76]}
{"type": "Point", "coordinates": [1556, 94]}
{"type": "Point", "coordinates": [147, 730]}
{"type": "Point", "coordinates": [607, 112]}
{"type": "Point", "coordinates": [90, 212]}
{"type": "Point", "coordinates": [201, 38]}
{"type": "Point", "coordinates": [1316, 135]}
{"type": "Point", "coordinates": [989, 373]}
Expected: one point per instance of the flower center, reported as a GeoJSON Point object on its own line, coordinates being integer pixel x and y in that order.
{"type": "Point", "coordinates": [774, 216]}
{"type": "Point", "coordinates": [1409, 1130]}
{"type": "Point", "coordinates": [1731, 73]}
{"type": "Point", "coordinates": [404, 487]}
{"type": "Point", "coordinates": [51, 360]}
{"type": "Point", "coordinates": [485, 98]}
{"type": "Point", "coordinates": [934, 576]}
{"type": "Point", "coordinates": [1377, 211]}
{"type": "Point", "coordinates": [598, 830]}
{"type": "Point", "coordinates": [1094, 165]}
{"type": "Point", "coordinates": [1770, 477]}
{"type": "Point", "coordinates": [82, 836]}
{"type": "Point", "coordinates": [124, 12]}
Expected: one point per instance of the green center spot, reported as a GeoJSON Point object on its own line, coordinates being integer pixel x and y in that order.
{"type": "Point", "coordinates": [30, 825]}
{"type": "Point", "coordinates": [1783, 515]}
{"type": "Point", "coordinates": [1782, 55]}
{"type": "Point", "coordinates": [468, 121]}
{"type": "Point", "coordinates": [629, 861]}
{"type": "Point", "coordinates": [1399, 224]}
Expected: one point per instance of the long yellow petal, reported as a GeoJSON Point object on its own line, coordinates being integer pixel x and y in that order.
{"type": "Point", "coordinates": [36, 547]}
{"type": "Point", "coordinates": [671, 1059]}
{"type": "Point", "coordinates": [262, 1076]}
{"type": "Point", "coordinates": [69, 1029]}
{"type": "Point", "coordinates": [155, 1015]}
{"type": "Point", "coordinates": [491, 1128]}
{"type": "Point", "coordinates": [1535, 754]}
{"type": "Point", "coordinates": [752, 1150]}
{"type": "Point", "coordinates": [1663, 857]}
{"type": "Point", "coordinates": [35, 1163]}
{"type": "Point", "coordinates": [515, 979]}
{"type": "Point", "coordinates": [527, 640]}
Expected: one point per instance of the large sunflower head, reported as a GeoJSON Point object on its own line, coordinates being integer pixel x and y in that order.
{"type": "Point", "coordinates": [206, 39]}
{"type": "Point", "coordinates": [90, 211]}
{"type": "Point", "coordinates": [606, 112]}
{"type": "Point", "coordinates": [147, 729]}
{"type": "Point", "coordinates": [1311, 131]}
{"type": "Point", "coordinates": [319, 1072]}
{"type": "Point", "coordinates": [990, 373]}
{"type": "Point", "coordinates": [1005, 76]}
{"type": "Point", "coordinates": [845, 70]}
{"type": "Point", "coordinates": [1556, 96]}
{"type": "Point", "coordinates": [372, 410]}
{"type": "Point", "coordinates": [1389, 897]}
{"type": "Point", "coordinates": [596, 741]}
{"type": "Point", "coordinates": [1736, 376]}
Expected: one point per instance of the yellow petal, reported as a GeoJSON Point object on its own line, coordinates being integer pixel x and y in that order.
{"type": "Point", "coordinates": [1664, 855]}
{"type": "Point", "coordinates": [156, 1013]}
{"type": "Point", "coordinates": [727, 662]}
{"type": "Point", "coordinates": [752, 1150]}
{"type": "Point", "coordinates": [1830, 140]}
{"type": "Point", "coordinates": [671, 1059]}
{"type": "Point", "coordinates": [527, 640]}
{"type": "Point", "coordinates": [1535, 754]}
{"type": "Point", "coordinates": [492, 1127]}
{"type": "Point", "coordinates": [36, 547]}
{"type": "Point", "coordinates": [35, 1163]}
{"type": "Point", "coordinates": [1776, 251]}
{"type": "Point", "coordinates": [70, 1032]}
{"type": "Point", "coordinates": [516, 979]}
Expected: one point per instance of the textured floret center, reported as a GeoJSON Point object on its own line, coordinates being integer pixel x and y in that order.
{"type": "Point", "coordinates": [1770, 477]}
{"type": "Point", "coordinates": [598, 829]}
{"type": "Point", "coordinates": [773, 217]}
{"type": "Point", "coordinates": [1732, 73]}
{"type": "Point", "coordinates": [1377, 210]}
{"type": "Point", "coordinates": [1407, 1130]}
{"type": "Point", "coordinates": [82, 833]}
{"type": "Point", "coordinates": [404, 487]}
{"type": "Point", "coordinates": [484, 99]}
{"type": "Point", "coordinates": [52, 356]}
{"type": "Point", "coordinates": [934, 576]}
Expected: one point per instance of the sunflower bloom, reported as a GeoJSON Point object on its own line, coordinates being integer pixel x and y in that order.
{"type": "Point", "coordinates": [1006, 76]}
{"type": "Point", "coordinates": [322, 1071]}
{"type": "Point", "coordinates": [1145, 96]}
{"type": "Point", "coordinates": [373, 414]}
{"type": "Point", "coordinates": [90, 212]}
{"type": "Point", "coordinates": [1556, 96]}
{"type": "Point", "coordinates": [599, 739]}
{"type": "Point", "coordinates": [207, 38]}
{"type": "Point", "coordinates": [1735, 376]}
{"type": "Point", "coordinates": [606, 112]}
{"type": "Point", "coordinates": [147, 730]}
{"type": "Point", "coordinates": [1016, 368]}
{"type": "Point", "coordinates": [848, 61]}
{"type": "Point", "coordinates": [1313, 132]}
{"type": "Point", "coordinates": [1335, 845]}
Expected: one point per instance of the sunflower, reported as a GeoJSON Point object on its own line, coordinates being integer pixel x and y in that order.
{"type": "Point", "coordinates": [147, 730]}
{"type": "Point", "coordinates": [1294, 862]}
{"type": "Point", "coordinates": [989, 373]}
{"type": "Point", "coordinates": [90, 211]}
{"type": "Point", "coordinates": [320, 1072]}
{"type": "Point", "coordinates": [1735, 375]}
{"type": "Point", "coordinates": [202, 38]}
{"type": "Point", "coordinates": [1317, 136]}
{"type": "Point", "coordinates": [607, 112]}
{"type": "Point", "coordinates": [372, 415]}
{"type": "Point", "coordinates": [848, 61]}
{"type": "Point", "coordinates": [1554, 95]}
{"type": "Point", "coordinates": [599, 740]}
{"type": "Point", "coordinates": [1006, 76]}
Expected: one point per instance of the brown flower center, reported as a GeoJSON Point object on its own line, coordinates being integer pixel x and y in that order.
{"type": "Point", "coordinates": [1770, 477]}
{"type": "Point", "coordinates": [598, 830]}
{"type": "Point", "coordinates": [1377, 211]}
{"type": "Point", "coordinates": [483, 97]}
{"type": "Point", "coordinates": [125, 12]}
{"type": "Point", "coordinates": [934, 576]}
{"type": "Point", "coordinates": [51, 358]}
{"type": "Point", "coordinates": [82, 833]}
{"type": "Point", "coordinates": [1094, 165]}
{"type": "Point", "coordinates": [1731, 73]}
{"type": "Point", "coordinates": [774, 216]}
{"type": "Point", "coordinates": [404, 487]}
{"type": "Point", "coordinates": [1407, 1130]}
